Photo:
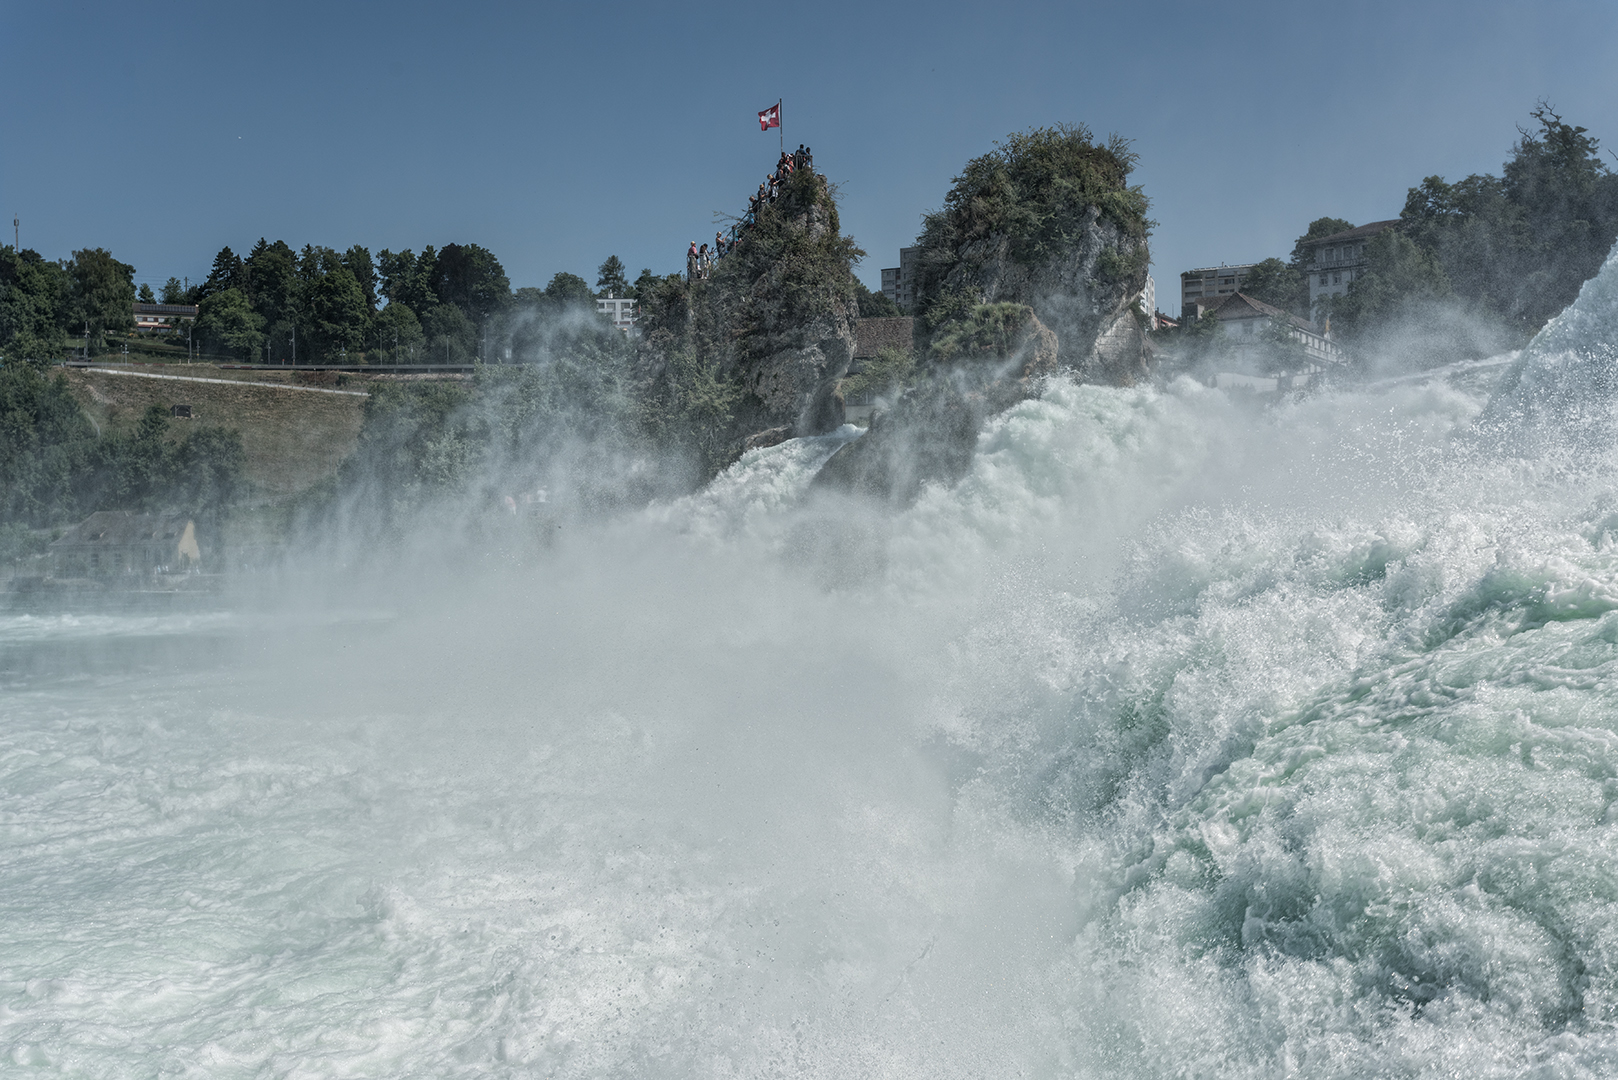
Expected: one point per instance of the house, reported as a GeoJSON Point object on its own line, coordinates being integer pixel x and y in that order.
{"type": "Point", "coordinates": [153, 318]}
{"type": "Point", "coordinates": [1202, 289]}
{"type": "Point", "coordinates": [121, 543]}
{"type": "Point", "coordinates": [1333, 262]}
{"type": "Point", "coordinates": [1244, 321]}
{"type": "Point", "coordinates": [621, 310]}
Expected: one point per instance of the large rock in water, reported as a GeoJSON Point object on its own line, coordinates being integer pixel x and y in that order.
{"type": "Point", "coordinates": [931, 433]}
{"type": "Point", "coordinates": [1075, 291]}
{"type": "Point", "coordinates": [1034, 264]}
{"type": "Point", "coordinates": [758, 347]}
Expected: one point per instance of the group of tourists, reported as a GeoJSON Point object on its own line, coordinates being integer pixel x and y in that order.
{"type": "Point", "coordinates": [699, 261]}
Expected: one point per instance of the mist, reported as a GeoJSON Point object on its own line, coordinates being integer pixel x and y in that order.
{"type": "Point", "coordinates": [1175, 737]}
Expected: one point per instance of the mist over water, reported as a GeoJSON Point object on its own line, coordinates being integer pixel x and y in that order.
{"type": "Point", "coordinates": [1180, 738]}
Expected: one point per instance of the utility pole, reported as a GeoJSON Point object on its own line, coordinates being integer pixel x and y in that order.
{"type": "Point", "coordinates": [16, 244]}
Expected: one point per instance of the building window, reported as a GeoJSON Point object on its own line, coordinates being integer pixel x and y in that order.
{"type": "Point", "coordinates": [1336, 279]}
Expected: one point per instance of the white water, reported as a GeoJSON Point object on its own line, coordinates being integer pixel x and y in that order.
{"type": "Point", "coordinates": [1176, 740]}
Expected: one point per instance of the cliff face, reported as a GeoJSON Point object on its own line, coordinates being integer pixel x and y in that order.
{"type": "Point", "coordinates": [1047, 220]}
{"type": "Point", "coordinates": [998, 359]}
{"type": "Point", "coordinates": [1076, 291]}
{"type": "Point", "coordinates": [1032, 266]}
{"type": "Point", "coordinates": [766, 337]}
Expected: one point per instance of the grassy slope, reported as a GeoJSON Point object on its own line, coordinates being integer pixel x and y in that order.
{"type": "Point", "coordinates": [293, 438]}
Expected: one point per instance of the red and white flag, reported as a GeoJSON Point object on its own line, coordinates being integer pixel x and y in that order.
{"type": "Point", "coordinates": [770, 117]}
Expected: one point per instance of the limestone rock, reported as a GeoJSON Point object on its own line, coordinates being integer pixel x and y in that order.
{"type": "Point", "coordinates": [930, 434]}
{"type": "Point", "coordinates": [1073, 292]}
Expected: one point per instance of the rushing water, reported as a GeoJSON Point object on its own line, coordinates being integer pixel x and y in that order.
{"type": "Point", "coordinates": [1180, 738]}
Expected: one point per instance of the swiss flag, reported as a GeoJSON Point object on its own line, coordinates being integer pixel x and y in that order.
{"type": "Point", "coordinates": [770, 117]}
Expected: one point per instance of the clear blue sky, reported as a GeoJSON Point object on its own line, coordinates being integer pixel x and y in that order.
{"type": "Point", "coordinates": [558, 134]}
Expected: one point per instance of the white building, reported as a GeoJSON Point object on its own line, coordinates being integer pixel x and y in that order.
{"type": "Point", "coordinates": [1244, 319]}
{"type": "Point", "coordinates": [620, 310]}
{"type": "Point", "coordinates": [1209, 285]}
{"type": "Point", "coordinates": [1333, 262]}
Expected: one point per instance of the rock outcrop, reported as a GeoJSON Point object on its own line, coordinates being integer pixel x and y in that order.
{"type": "Point", "coordinates": [1048, 220]}
{"type": "Point", "coordinates": [1035, 264]}
{"type": "Point", "coordinates": [768, 334]}
{"type": "Point", "coordinates": [1076, 291]}
{"type": "Point", "coordinates": [931, 433]}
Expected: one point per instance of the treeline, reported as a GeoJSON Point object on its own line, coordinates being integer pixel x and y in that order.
{"type": "Point", "coordinates": [449, 305]}
{"type": "Point", "coordinates": [1475, 265]}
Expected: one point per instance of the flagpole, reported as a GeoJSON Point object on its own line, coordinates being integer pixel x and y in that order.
{"type": "Point", "coordinates": [780, 127]}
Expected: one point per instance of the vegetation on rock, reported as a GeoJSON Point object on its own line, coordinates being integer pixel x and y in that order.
{"type": "Point", "coordinates": [1048, 219]}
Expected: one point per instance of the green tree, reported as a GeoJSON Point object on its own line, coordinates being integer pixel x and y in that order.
{"type": "Point", "coordinates": [407, 278]}
{"type": "Point", "coordinates": [102, 296]}
{"type": "Point", "coordinates": [396, 333]}
{"type": "Point", "coordinates": [146, 295]}
{"type": "Point", "coordinates": [173, 292]}
{"type": "Point", "coordinates": [1279, 284]}
{"type": "Point", "coordinates": [610, 277]}
{"type": "Point", "coordinates": [359, 263]}
{"type": "Point", "coordinates": [334, 315]}
{"type": "Point", "coordinates": [226, 323]}
{"type": "Point", "coordinates": [569, 290]}
{"type": "Point", "coordinates": [1401, 284]}
{"type": "Point", "coordinates": [227, 273]}
{"type": "Point", "coordinates": [46, 444]}
{"type": "Point", "coordinates": [1318, 228]}
{"type": "Point", "coordinates": [34, 295]}
{"type": "Point", "coordinates": [472, 279]}
{"type": "Point", "coordinates": [450, 336]}
{"type": "Point", "coordinates": [645, 281]}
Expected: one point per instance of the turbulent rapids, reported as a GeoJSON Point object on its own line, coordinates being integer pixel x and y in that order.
{"type": "Point", "coordinates": [1178, 738]}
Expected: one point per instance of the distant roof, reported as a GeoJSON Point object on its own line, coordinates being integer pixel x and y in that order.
{"type": "Point", "coordinates": [1217, 269]}
{"type": "Point", "coordinates": [166, 309]}
{"type": "Point", "coordinates": [1241, 306]}
{"type": "Point", "coordinates": [871, 336]}
{"type": "Point", "coordinates": [122, 527]}
{"type": "Point", "coordinates": [1354, 234]}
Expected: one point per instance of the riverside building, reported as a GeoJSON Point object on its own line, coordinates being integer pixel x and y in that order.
{"type": "Point", "coordinates": [1333, 262]}
{"type": "Point", "coordinates": [1203, 288]}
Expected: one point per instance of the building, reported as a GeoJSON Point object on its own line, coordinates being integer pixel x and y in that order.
{"type": "Point", "coordinates": [1333, 262]}
{"type": "Point", "coordinates": [1244, 319]}
{"type": "Point", "coordinates": [899, 282]}
{"type": "Point", "coordinates": [152, 318]}
{"type": "Point", "coordinates": [1202, 290]}
{"type": "Point", "coordinates": [621, 310]}
{"type": "Point", "coordinates": [121, 543]}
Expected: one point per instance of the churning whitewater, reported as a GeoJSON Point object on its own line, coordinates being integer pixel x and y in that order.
{"type": "Point", "coordinates": [1181, 737]}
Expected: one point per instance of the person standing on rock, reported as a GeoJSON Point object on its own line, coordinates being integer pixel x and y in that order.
{"type": "Point", "coordinates": [691, 262]}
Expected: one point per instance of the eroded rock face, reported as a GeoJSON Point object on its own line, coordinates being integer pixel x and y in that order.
{"type": "Point", "coordinates": [1073, 292]}
{"type": "Point", "coordinates": [929, 436]}
{"type": "Point", "coordinates": [790, 367]}
{"type": "Point", "coordinates": [775, 321]}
